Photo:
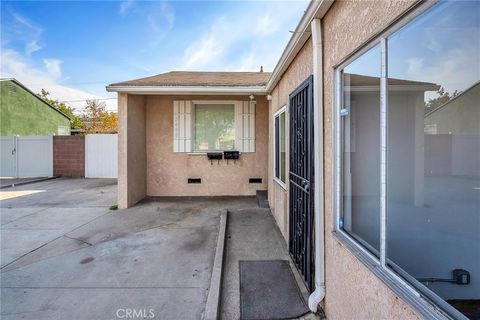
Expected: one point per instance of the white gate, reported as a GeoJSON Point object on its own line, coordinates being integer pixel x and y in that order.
{"type": "Point", "coordinates": [101, 159]}
{"type": "Point", "coordinates": [27, 157]}
{"type": "Point", "coordinates": [8, 157]}
{"type": "Point", "coordinates": [35, 156]}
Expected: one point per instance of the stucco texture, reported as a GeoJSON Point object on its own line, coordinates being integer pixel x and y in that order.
{"type": "Point", "coordinates": [24, 114]}
{"type": "Point", "coordinates": [352, 291]}
{"type": "Point", "coordinates": [296, 73]}
{"type": "Point", "coordinates": [168, 171]}
{"type": "Point", "coordinates": [131, 149]}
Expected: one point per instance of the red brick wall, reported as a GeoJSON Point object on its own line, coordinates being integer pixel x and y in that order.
{"type": "Point", "coordinates": [69, 156]}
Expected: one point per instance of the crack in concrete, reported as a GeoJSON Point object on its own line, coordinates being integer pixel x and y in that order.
{"type": "Point", "coordinates": [80, 240]}
{"type": "Point", "coordinates": [48, 242]}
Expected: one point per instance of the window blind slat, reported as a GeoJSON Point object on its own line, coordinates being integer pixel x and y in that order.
{"type": "Point", "coordinates": [239, 126]}
{"type": "Point", "coordinates": [182, 124]}
{"type": "Point", "coordinates": [245, 126]}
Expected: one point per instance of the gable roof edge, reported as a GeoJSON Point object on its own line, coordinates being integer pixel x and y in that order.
{"type": "Point", "coordinates": [453, 99]}
{"type": "Point", "coordinates": [21, 85]}
{"type": "Point", "coordinates": [315, 9]}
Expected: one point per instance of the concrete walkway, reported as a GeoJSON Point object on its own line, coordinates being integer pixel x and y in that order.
{"type": "Point", "coordinates": [252, 234]}
{"type": "Point", "coordinates": [65, 255]}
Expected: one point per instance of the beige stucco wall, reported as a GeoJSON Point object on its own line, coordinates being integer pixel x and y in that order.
{"type": "Point", "coordinates": [168, 171]}
{"type": "Point", "coordinates": [352, 291]}
{"type": "Point", "coordinates": [131, 150]}
{"type": "Point", "coordinates": [295, 74]}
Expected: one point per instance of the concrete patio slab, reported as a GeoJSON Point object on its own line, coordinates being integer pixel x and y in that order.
{"type": "Point", "coordinates": [154, 258]}
{"type": "Point", "coordinates": [64, 192]}
{"type": "Point", "coordinates": [54, 218]}
{"type": "Point", "coordinates": [149, 214]}
{"type": "Point", "coordinates": [69, 257]}
{"type": "Point", "coordinates": [11, 214]}
{"type": "Point", "coordinates": [90, 303]}
{"type": "Point", "coordinates": [16, 243]}
{"type": "Point", "coordinates": [54, 248]}
{"type": "Point", "coordinates": [36, 214]}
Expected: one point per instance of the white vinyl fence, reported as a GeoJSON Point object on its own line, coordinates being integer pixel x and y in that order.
{"type": "Point", "coordinates": [101, 159]}
{"type": "Point", "coordinates": [26, 157]}
{"type": "Point", "coordinates": [8, 165]}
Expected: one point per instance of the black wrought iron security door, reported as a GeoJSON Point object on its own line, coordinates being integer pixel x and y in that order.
{"type": "Point", "coordinates": [301, 237]}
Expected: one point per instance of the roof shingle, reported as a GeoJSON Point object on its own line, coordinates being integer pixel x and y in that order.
{"type": "Point", "coordinates": [201, 79]}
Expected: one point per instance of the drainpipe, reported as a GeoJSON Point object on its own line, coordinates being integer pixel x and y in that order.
{"type": "Point", "coordinates": [317, 296]}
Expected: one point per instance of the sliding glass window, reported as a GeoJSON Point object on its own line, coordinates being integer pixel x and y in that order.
{"type": "Point", "coordinates": [433, 150]}
{"type": "Point", "coordinates": [409, 152]}
{"type": "Point", "coordinates": [361, 149]}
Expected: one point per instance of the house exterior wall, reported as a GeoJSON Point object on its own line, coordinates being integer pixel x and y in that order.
{"type": "Point", "coordinates": [459, 116]}
{"type": "Point", "coordinates": [25, 115]}
{"type": "Point", "coordinates": [296, 73]}
{"type": "Point", "coordinates": [69, 156]}
{"type": "Point", "coordinates": [131, 149]}
{"type": "Point", "coordinates": [168, 171]}
{"type": "Point", "coordinates": [346, 26]}
{"type": "Point", "coordinates": [352, 291]}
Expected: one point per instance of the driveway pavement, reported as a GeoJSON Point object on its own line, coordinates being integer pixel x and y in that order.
{"type": "Point", "coordinates": [9, 182]}
{"type": "Point", "coordinates": [65, 255]}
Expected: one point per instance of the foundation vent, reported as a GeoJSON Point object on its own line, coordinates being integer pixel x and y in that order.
{"type": "Point", "coordinates": [194, 180]}
{"type": "Point", "coordinates": [255, 180]}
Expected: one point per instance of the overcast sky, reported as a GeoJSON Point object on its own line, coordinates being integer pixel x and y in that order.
{"type": "Point", "coordinates": [74, 49]}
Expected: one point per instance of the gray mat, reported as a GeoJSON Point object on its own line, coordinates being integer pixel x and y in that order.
{"type": "Point", "coordinates": [268, 290]}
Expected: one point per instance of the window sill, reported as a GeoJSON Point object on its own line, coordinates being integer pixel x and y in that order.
{"type": "Point", "coordinates": [281, 183]}
{"type": "Point", "coordinates": [204, 153]}
{"type": "Point", "coordinates": [417, 301]}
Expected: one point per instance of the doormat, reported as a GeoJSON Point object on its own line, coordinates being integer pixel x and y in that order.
{"type": "Point", "coordinates": [268, 290]}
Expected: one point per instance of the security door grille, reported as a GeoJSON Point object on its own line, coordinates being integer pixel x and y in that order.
{"type": "Point", "coordinates": [301, 237]}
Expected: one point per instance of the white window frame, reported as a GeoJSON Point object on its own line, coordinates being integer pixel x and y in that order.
{"type": "Point", "coordinates": [428, 304]}
{"type": "Point", "coordinates": [235, 103]}
{"type": "Point", "coordinates": [64, 130]}
{"type": "Point", "coordinates": [275, 178]}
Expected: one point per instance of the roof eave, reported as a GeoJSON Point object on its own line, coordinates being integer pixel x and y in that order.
{"type": "Point", "coordinates": [316, 9]}
{"type": "Point", "coordinates": [188, 90]}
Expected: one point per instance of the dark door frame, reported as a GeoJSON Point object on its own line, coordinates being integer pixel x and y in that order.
{"type": "Point", "coordinates": [301, 181]}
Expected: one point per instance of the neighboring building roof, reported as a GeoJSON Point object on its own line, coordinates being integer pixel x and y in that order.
{"type": "Point", "coordinates": [201, 79]}
{"type": "Point", "coordinates": [356, 81]}
{"type": "Point", "coordinates": [18, 83]}
{"type": "Point", "coordinates": [466, 91]}
{"type": "Point", "coordinates": [459, 116]}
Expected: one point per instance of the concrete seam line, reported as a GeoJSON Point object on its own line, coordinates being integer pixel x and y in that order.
{"type": "Point", "coordinates": [213, 299]}
{"type": "Point", "coordinates": [27, 182]}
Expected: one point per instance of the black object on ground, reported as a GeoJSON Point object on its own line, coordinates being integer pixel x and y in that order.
{"type": "Point", "coordinates": [268, 290]}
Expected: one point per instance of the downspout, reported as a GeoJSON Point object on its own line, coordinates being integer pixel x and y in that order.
{"type": "Point", "coordinates": [317, 296]}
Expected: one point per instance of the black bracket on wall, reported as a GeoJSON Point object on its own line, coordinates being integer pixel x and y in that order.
{"type": "Point", "coordinates": [231, 155]}
{"type": "Point", "coordinates": [214, 156]}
